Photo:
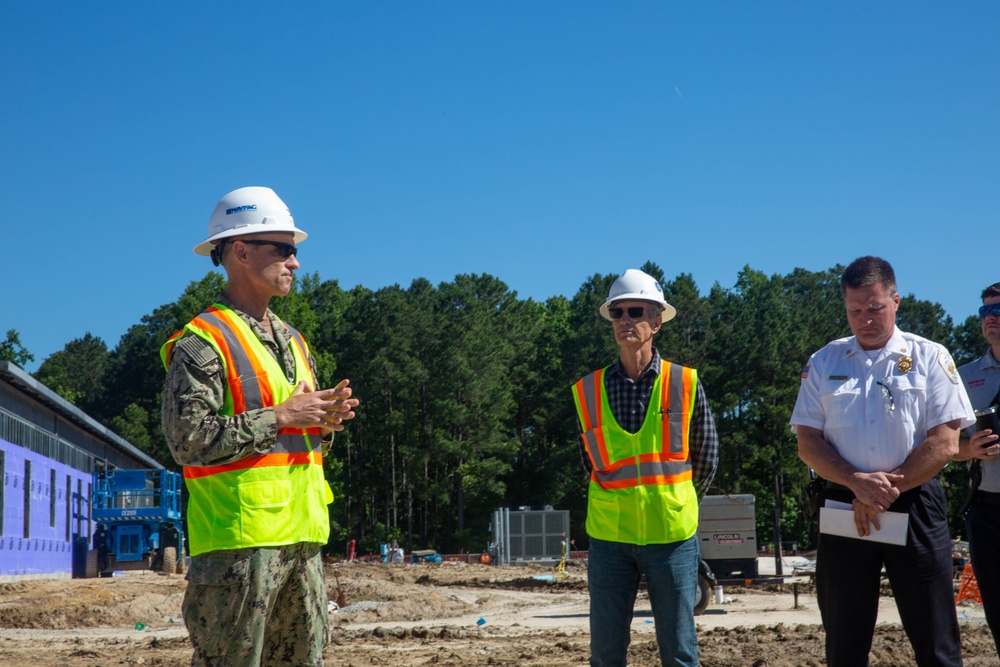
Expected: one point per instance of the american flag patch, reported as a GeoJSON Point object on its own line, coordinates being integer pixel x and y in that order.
{"type": "Point", "coordinates": [805, 372]}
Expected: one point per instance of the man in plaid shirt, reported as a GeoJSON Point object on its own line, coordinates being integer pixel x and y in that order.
{"type": "Point", "coordinates": [649, 443]}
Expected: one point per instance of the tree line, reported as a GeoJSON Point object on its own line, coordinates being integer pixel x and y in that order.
{"type": "Point", "coordinates": [465, 391]}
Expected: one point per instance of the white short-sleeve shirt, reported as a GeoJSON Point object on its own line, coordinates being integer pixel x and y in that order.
{"type": "Point", "coordinates": [875, 411]}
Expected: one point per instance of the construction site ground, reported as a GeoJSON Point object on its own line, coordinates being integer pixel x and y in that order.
{"type": "Point", "coordinates": [435, 614]}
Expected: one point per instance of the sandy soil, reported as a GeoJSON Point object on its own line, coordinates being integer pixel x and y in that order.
{"type": "Point", "coordinates": [433, 614]}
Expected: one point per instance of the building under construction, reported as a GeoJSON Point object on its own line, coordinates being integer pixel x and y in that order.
{"type": "Point", "coordinates": [48, 450]}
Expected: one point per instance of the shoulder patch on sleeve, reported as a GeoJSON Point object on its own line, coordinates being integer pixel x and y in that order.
{"type": "Point", "coordinates": [198, 351]}
{"type": "Point", "coordinates": [949, 367]}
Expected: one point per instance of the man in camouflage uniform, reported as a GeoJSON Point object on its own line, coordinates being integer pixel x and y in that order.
{"type": "Point", "coordinates": [251, 444]}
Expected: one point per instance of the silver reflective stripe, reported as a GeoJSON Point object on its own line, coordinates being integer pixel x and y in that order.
{"type": "Point", "coordinates": [297, 336]}
{"type": "Point", "coordinates": [244, 370]}
{"type": "Point", "coordinates": [645, 469]}
{"type": "Point", "coordinates": [298, 442]}
{"type": "Point", "coordinates": [590, 398]}
{"type": "Point", "coordinates": [676, 399]}
{"type": "Point", "coordinates": [590, 437]}
{"type": "Point", "coordinates": [290, 443]}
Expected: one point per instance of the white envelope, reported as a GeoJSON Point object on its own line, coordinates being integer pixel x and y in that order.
{"type": "Point", "coordinates": [837, 518]}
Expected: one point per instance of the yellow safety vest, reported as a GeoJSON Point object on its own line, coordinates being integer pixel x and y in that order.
{"type": "Point", "coordinates": [640, 487]}
{"type": "Point", "coordinates": [271, 499]}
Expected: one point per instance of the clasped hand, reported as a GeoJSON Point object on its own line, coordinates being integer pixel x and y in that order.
{"type": "Point", "coordinates": [325, 409]}
{"type": "Point", "coordinates": [874, 492]}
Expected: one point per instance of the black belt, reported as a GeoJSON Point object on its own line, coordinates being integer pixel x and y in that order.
{"type": "Point", "coordinates": [987, 498]}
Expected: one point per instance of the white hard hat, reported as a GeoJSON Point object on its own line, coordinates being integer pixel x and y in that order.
{"type": "Point", "coordinates": [639, 286]}
{"type": "Point", "coordinates": [253, 210]}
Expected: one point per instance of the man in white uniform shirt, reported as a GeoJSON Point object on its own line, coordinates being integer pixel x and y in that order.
{"type": "Point", "coordinates": [982, 523]}
{"type": "Point", "coordinates": [878, 415]}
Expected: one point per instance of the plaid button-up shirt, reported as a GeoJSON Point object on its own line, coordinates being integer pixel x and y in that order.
{"type": "Point", "coordinates": [629, 400]}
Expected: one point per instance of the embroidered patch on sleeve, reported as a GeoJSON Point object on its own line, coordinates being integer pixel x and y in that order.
{"type": "Point", "coordinates": [200, 352]}
{"type": "Point", "coordinates": [949, 367]}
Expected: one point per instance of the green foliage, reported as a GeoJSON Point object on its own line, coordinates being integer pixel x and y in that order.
{"type": "Point", "coordinates": [131, 425]}
{"type": "Point", "coordinates": [926, 319]}
{"type": "Point", "coordinates": [77, 372]}
{"type": "Point", "coordinates": [379, 535]}
{"type": "Point", "coordinates": [12, 350]}
{"type": "Point", "coordinates": [969, 342]}
{"type": "Point", "coordinates": [465, 391]}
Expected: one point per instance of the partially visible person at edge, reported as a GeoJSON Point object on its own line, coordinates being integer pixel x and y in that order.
{"type": "Point", "coordinates": [878, 416]}
{"type": "Point", "coordinates": [982, 523]}
{"type": "Point", "coordinates": [242, 413]}
{"type": "Point", "coordinates": [650, 446]}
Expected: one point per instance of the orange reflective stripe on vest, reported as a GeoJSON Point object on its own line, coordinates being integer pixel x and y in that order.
{"type": "Point", "coordinates": [645, 469]}
{"type": "Point", "coordinates": [273, 459]}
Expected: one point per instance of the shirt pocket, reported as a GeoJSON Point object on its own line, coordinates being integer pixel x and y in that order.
{"type": "Point", "coordinates": [841, 401]}
{"type": "Point", "coordinates": [908, 394]}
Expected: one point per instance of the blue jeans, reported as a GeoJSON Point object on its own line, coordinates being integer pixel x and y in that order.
{"type": "Point", "coordinates": [671, 573]}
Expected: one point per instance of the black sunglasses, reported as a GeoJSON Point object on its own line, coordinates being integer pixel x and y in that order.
{"type": "Point", "coordinates": [635, 312]}
{"type": "Point", "coordinates": [285, 250]}
{"type": "Point", "coordinates": [986, 311]}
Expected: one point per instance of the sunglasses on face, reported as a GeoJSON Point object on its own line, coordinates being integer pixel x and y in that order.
{"type": "Point", "coordinates": [986, 311]}
{"type": "Point", "coordinates": [285, 250]}
{"type": "Point", "coordinates": [635, 312]}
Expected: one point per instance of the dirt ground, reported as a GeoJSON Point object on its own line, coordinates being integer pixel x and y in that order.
{"type": "Point", "coordinates": [433, 614]}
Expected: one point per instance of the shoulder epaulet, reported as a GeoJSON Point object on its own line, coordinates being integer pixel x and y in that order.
{"type": "Point", "coordinates": [198, 351]}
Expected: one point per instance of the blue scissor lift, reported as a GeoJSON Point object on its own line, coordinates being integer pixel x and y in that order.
{"type": "Point", "coordinates": [139, 522]}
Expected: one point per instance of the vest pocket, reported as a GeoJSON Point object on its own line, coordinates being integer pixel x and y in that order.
{"type": "Point", "coordinates": [670, 513]}
{"type": "Point", "coordinates": [603, 513]}
{"type": "Point", "coordinates": [263, 512]}
{"type": "Point", "coordinates": [267, 494]}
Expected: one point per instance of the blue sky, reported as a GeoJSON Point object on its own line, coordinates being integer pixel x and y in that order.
{"type": "Point", "coordinates": [540, 142]}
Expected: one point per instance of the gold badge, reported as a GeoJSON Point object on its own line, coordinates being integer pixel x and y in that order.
{"type": "Point", "coordinates": [904, 364]}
